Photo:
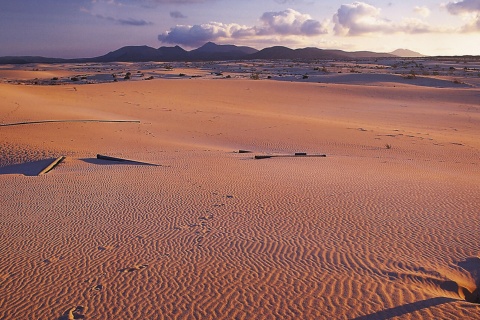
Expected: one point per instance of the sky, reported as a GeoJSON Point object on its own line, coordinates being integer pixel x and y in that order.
{"type": "Point", "coordinates": [89, 28]}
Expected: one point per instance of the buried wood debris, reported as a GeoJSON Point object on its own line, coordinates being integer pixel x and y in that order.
{"type": "Point", "coordinates": [297, 154]}
{"type": "Point", "coordinates": [66, 121]}
{"type": "Point", "coordinates": [52, 165]}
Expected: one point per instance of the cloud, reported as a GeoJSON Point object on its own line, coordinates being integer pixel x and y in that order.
{"type": "Point", "coordinates": [285, 23]}
{"type": "Point", "coordinates": [465, 6]}
{"type": "Point", "coordinates": [125, 22]}
{"type": "Point", "coordinates": [133, 22]}
{"type": "Point", "coordinates": [470, 10]}
{"type": "Point", "coordinates": [360, 18]}
{"type": "Point", "coordinates": [422, 11]}
{"type": "Point", "coordinates": [177, 1]}
{"type": "Point", "coordinates": [154, 3]}
{"type": "Point", "coordinates": [199, 34]}
{"type": "Point", "coordinates": [177, 15]}
{"type": "Point", "coordinates": [290, 22]}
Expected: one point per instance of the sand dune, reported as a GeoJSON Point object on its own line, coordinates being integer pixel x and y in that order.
{"type": "Point", "coordinates": [385, 226]}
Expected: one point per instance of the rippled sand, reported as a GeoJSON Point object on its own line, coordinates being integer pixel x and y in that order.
{"type": "Point", "coordinates": [387, 225]}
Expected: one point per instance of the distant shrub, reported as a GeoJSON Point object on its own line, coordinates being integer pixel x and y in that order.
{"type": "Point", "coordinates": [74, 79]}
{"type": "Point", "coordinates": [305, 76]}
{"type": "Point", "coordinates": [255, 76]}
{"type": "Point", "coordinates": [412, 75]}
{"type": "Point", "coordinates": [182, 75]}
{"type": "Point", "coordinates": [54, 78]}
{"type": "Point", "coordinates": [388, 146]}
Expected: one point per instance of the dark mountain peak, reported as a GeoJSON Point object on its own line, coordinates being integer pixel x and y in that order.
{"type": "Point", "coordinates": [276, 52]}
{"type": "Point", "coordinates": [211, 47]}
{"type": "Point", "coordinates": [277, 48]}
{"type": "Point", "coordinates": [172, 49]}
{"type": "Point", "coordinates": [208, 47]}
{"type": "Point", "coordinates": [128, 53]}
{"type": "Point", "coordinates": [133, 48]}
{"type": "Point", "coordinates": [215, 52]}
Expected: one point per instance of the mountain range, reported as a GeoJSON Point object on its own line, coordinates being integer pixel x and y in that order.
{"type": "Point", "coordinates": [213, 52]}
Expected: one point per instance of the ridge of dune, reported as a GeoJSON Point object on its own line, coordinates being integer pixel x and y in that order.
{"type": "Point", "coordinates": [385, 226]}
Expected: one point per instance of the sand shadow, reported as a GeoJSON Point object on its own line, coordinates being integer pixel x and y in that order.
{"type": "Point", "coordinates": [32, 168]}
{"type": "Point", "coordinates": [472, 266]}
{"type": "Point", "coordinates": [406, 309]}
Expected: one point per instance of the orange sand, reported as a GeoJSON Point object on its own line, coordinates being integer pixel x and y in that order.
{"type": "Point", "coordinates": [369, 232]}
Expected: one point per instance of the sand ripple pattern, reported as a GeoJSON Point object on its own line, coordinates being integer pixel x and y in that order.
{"type": "Point", "coordinates": [326, 244]}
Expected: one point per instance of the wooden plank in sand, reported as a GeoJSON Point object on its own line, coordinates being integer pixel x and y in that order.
{"type": "Point", "coordinates": [108, 158]}
{"type": "Point", "coordinates": [51, 165]}
{"type": "Point", "coordinates": [65, 121]}
{"type": "Point", "coordinates": [297, 154]}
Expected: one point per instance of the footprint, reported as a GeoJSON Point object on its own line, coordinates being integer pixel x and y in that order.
{"type": "Point", "coordinates": [134, 268]}
{"type": "Point", "coordinates": [96, 289]}
{"type": "Point", "coordinates": [74, 313]}
{"type": "Point", "coordinates": [52, 260]}
{"type": "Point", "coordinates": [208, 216]}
